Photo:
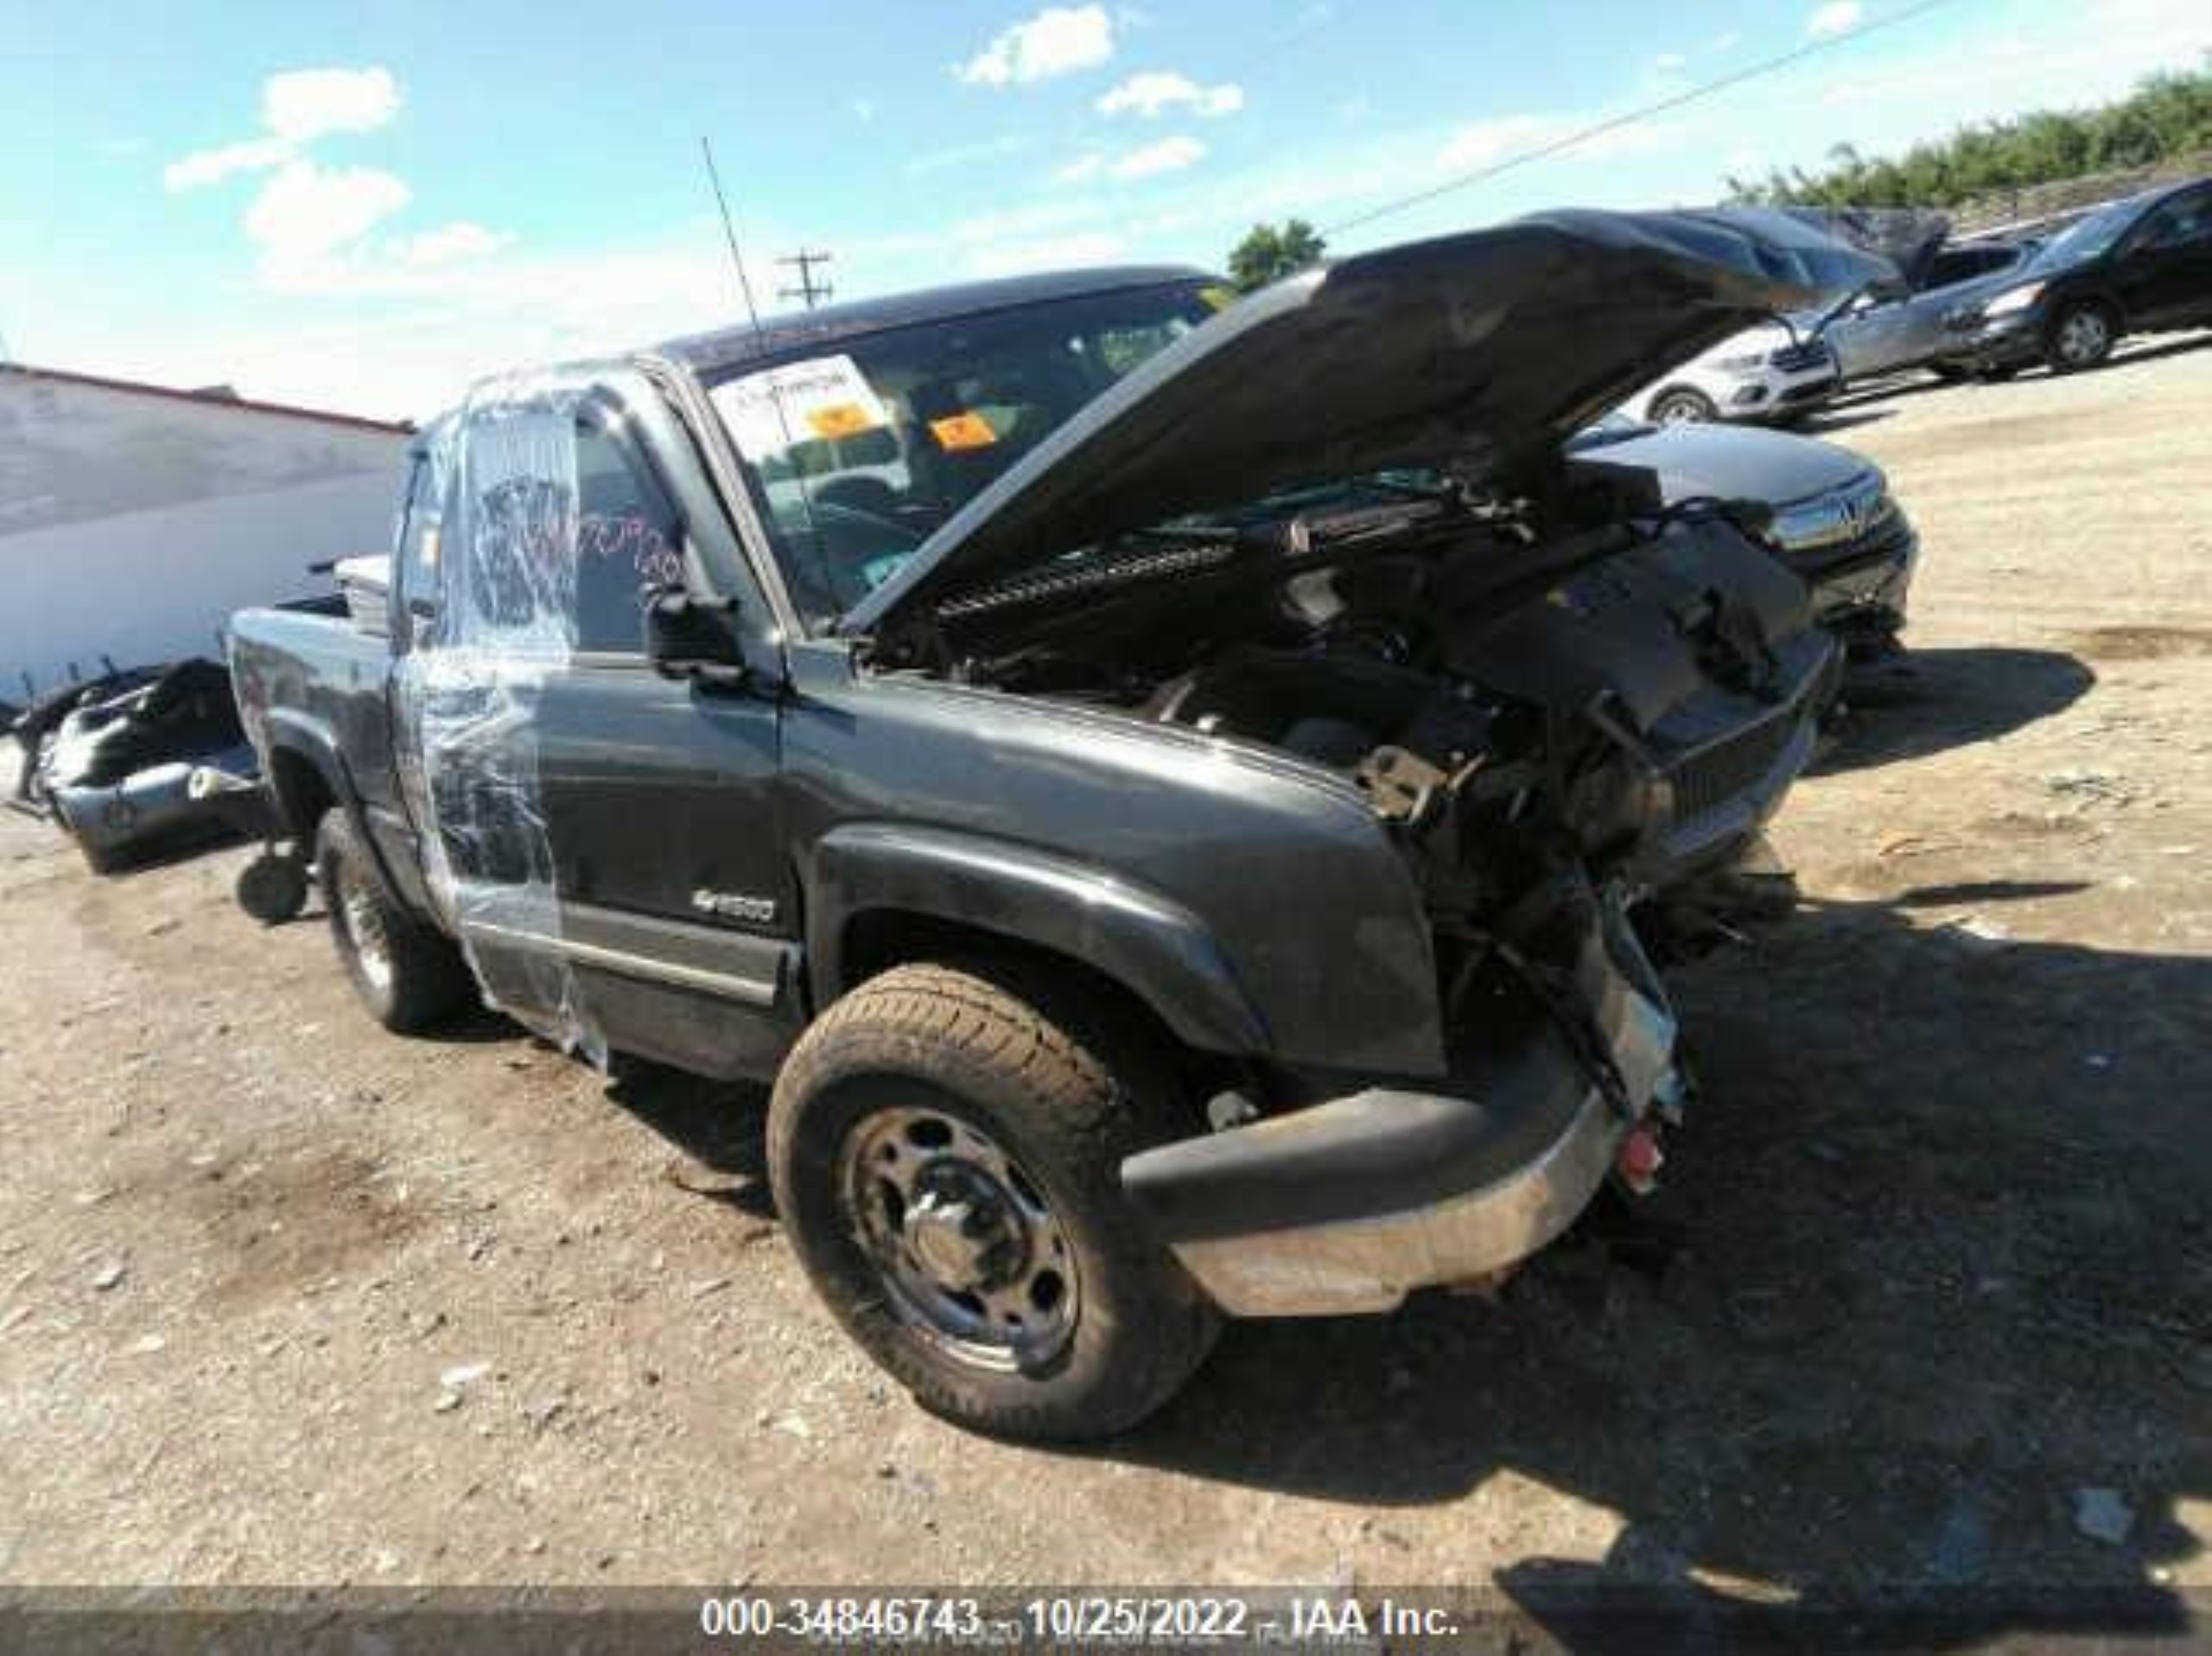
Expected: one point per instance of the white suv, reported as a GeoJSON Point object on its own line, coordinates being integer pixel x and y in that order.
{"type": "Point", "coordinates": [1769, 374]}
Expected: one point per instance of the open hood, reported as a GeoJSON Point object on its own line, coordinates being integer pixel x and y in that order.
{"type": "Point", "coordinates": [1484, 351]}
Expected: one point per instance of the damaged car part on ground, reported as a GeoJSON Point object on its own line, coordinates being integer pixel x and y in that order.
{"type": "Point", "coordinates": [116, 766]}
{"type": "Point", "coordinates": [1164, 794]}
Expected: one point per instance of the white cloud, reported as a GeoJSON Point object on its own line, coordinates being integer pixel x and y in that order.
{"type": "Point", "coordinates": [1154, 91]}
{"type": "Point", "coordinates": [297, 106]}
{"type": "Point", "coordinates": [309, 218]}
{"type": "Point", "coordinates": [211, 166]}
{"type": "Point", "coordinates": [1148, 160]}
{"type": "Point", "coordinates": [1168, 156]}
{"type": "Point", "coordinates": [1836, 17]}
{"type": "Point", "coordinates": [1669, 62]}
{"type": "Point", "coordinates": [303, 104]}
{"type": "Point", "coordinates": [314, 228]}
{"type": "Point", "coordinates": [449, 245]}
{"type": "Point", "coordinates": [1057, 41]}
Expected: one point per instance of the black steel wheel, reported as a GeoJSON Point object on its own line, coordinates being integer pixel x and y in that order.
{"type": "Point", "coordinates": [945, 1144]}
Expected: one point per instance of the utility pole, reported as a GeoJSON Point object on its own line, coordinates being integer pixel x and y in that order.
{"type": "Point", "coordinates": [809, 290]}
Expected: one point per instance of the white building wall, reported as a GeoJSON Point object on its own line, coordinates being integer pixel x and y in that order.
{"type": "Point", "coordinates": [133, 524]}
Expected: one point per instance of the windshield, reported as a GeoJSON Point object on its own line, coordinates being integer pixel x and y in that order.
{"type": "Point", "coordinates": [856, 453]}
{"type": "Point", "coordinates": [2086, 239]}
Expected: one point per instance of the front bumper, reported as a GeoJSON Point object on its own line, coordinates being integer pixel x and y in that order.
{"type": "Point", "coordinates": [1349, 1205]}
{"type": "Point", "coordinates": [1778, 395]}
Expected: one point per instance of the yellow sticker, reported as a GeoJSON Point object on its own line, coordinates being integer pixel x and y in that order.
{"type": "Point", "coordinates": [839, 420]}
{"type": "Point", "coordinates": [1217, 296]}
{"type": "Point", "coordinates": [967, 429]}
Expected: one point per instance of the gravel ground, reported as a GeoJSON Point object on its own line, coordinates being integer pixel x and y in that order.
{"type": "Point", "coordinates": [284, 1299]}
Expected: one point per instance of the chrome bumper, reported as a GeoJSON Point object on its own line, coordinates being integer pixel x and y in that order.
{"type": "Point", "coordinates": [1296, 1215]}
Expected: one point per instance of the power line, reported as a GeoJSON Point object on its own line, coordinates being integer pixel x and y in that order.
{"type": "Point", "coordinates": [809, 292]}
{"type": "Point", "coordinates": [1615, 123]}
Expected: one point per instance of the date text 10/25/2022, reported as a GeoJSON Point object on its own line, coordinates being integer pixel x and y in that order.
{"type": "Point", "coordinates": [1284, 1618]}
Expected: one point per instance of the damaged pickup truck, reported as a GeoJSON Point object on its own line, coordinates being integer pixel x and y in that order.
{"type": "Point", "coordinates": [1164, 787]}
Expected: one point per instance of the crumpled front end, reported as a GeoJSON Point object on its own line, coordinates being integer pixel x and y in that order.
{"type": "Point", "coordinates": [1562, 1049]}
{"type": "Point", "coordinates": [1612, 739]}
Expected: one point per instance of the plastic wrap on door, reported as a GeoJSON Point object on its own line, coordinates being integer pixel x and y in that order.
{"type": "Point", "coordinates": [506, 562]}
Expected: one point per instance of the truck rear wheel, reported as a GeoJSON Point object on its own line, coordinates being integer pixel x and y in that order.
{"type": "Point", "coordinates": [945, 1146]}
{"type": "Point", "coordinates": [409, 977]}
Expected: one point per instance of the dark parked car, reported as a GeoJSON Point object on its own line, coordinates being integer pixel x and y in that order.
{"type": "Point", "coordinates": [1830, 514]}
{"type": "Point", "coordinates": [1888, 329]}
{"type": "Point", "coordinates": [2139, 266]}
{"type": "Point", "coordinates": [1165, 794]}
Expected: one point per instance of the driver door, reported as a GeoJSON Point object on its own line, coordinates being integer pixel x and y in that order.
{"type": "Point", "coordinates": [573, 803]}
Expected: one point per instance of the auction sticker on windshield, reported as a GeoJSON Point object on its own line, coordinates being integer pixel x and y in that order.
{"type": "Point", "coordinates": [821, 399]}
{"type": "Point", "coordinates": [966, 430]}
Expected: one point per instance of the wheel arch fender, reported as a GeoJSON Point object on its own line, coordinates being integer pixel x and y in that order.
{"type": "Point", "coordinates": [306, 774]}
{"type": "Point", "coordinates": [301, 745]}
{"type": "Point", "coordinates": [1152, 946]}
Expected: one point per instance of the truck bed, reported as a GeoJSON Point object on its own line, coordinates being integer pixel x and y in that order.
{"type": "Point", "coordinates": [312, 693]}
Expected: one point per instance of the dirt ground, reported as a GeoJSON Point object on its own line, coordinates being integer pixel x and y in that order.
{"type": "Point", "coordinates": [1939, 1313]}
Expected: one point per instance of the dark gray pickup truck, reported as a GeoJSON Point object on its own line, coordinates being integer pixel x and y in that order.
{"type": "Point", "coordinates": [1164, 786]}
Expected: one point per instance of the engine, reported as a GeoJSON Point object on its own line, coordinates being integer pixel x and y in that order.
{"type": "Point", "coordinates": [1633, 704]}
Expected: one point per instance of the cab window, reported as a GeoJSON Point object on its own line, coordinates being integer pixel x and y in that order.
{"type": "Point", "coordinates": [623, 547]}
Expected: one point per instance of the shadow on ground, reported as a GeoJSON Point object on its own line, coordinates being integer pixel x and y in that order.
{"type": "Point", "coordinates": [1930, 1294]}
{"type": "Point", "coordinates": [1919, 382]}
{"type": "Point", "coordinates": [721, 1126]}
{"type": "Point", "coordinates": [1840, 417]}
{"type": "Point", "coordinates": [1944, 1264]}
{"type": "Point", "coordinates": [1927, 701]}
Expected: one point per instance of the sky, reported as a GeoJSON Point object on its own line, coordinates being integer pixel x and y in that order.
{"type": "Point", "coordinates": [361, 207]}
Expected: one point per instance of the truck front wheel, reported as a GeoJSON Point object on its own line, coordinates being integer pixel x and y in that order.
{"type": "Point", "coordinates": [945, 1146]}
{"type": "Point", "coordinates": [408, 976]}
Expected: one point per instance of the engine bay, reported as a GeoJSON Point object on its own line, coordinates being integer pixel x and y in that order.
{"type": "Point", "coordinates": [1503, 699]}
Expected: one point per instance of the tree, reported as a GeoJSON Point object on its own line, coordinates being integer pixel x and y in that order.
{"type": "Point", "coordinates": [1268, 254]}
{"type": "Point", "coordinates": [2167, 117]}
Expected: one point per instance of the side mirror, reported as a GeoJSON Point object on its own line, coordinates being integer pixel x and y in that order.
{"type": "Point", "coordinates": [687, 637]}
